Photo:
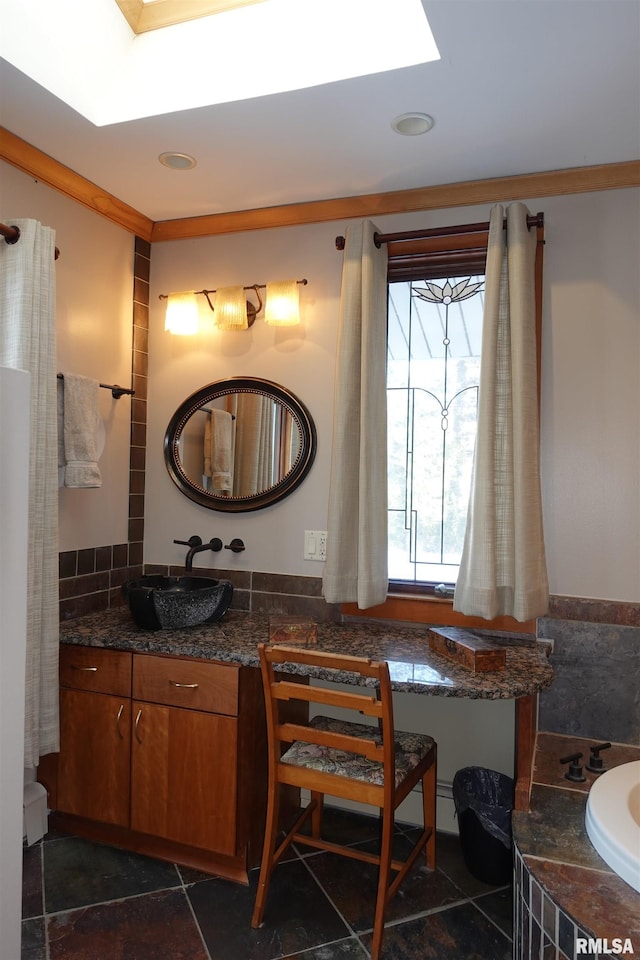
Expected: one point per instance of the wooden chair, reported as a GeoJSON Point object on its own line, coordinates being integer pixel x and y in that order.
{"type": "Point", "coordinates": [370, 763]}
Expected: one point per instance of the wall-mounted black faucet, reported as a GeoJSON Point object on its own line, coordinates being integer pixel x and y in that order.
{"type": "Point", "coordinates": [196, 545]}
{"type": "Point", "coordinates": [596, 763]}
{"type": "Point", "coordinates": [574, 773]}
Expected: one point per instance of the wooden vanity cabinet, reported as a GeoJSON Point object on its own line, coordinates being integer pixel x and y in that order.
{"type": "Point", "coordinates": [163, 755]}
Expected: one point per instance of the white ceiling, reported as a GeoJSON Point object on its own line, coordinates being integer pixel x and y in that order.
{"type": "Point", "coordinates": [522, 86]}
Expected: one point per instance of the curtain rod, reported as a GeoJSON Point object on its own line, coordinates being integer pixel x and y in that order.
{"type": "Point", "coordinates": [12, 235]}
{"type": "Point", "coordinates": [536, 220]}
{"type": "Point", "coordinates": [116, 390]}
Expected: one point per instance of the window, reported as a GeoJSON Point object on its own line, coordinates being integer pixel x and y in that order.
{"type": "Point", "coordinates": [433, 369]}
{"type": "Point", "coordinates": [435, 309]}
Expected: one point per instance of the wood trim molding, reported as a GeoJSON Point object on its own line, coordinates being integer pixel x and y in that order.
{"type": "Point", "coordinates": [611, 176]}
{"type": "Point", "coordinates": [32, 161]}
{"type": "Point", "coordinates": [143, 17]}
{"type": "Point", "coordinates": [424, 609]}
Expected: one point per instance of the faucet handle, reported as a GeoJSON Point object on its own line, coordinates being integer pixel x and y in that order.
{"type": "Point", "coordinates": [193, 541]}
{"type": "Point", "coordinates": [236, 545]}
{"type": "Point", "coordinates": [574, 773]}
{"type": "Point", "coordinates": [596, 763]}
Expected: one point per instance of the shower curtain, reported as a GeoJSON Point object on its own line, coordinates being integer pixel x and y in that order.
{"type": "Point", "coordinates": [27, 342]}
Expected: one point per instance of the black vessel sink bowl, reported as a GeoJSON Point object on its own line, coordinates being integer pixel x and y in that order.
{"type": "Point", "coordinates": [171, 603]}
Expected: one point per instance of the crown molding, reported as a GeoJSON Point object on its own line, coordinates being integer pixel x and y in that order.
{"type": "Point", "coordinates": [613, 176]}
{"type": "Point", "coordinates": [20, 154]}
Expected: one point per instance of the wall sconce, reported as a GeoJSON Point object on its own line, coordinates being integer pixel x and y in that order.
{"type": "Point", "coordinates": [283, 304]}
{"type": "Point", "coordinates": [232, 310]}
{"type": "Point", "coordinates": [181, 317]}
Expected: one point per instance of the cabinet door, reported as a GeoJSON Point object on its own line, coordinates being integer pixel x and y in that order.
{"type": "Point", "coordinates": [183, 776]}
{"type": "Point", "coordinates": [93, 767]}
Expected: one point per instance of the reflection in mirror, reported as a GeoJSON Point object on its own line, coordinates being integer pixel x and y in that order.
{"type": "Point", "coordinates": [239, 444]}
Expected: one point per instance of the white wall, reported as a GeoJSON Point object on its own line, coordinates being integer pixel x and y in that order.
{"type": "Point", "coordinates": [94, 285]}
{"type": "Point", "coordinates": [590, 403]}
{"type": "Point", "coordinates": [591, 395]}
{"type": "Point", "coordinates": [301, 359]}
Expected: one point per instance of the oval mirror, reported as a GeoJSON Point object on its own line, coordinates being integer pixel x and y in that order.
{"type": "Point", "coordinates": [239, 444]}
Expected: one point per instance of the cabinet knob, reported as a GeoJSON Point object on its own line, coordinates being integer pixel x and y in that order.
{"type": "Point", "coordinates": [186, 686]}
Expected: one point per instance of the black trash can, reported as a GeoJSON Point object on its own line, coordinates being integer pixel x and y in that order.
{"type": "Point", "coordinates": [484, 802]}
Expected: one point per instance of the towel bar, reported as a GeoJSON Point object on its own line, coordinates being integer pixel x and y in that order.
{"type": "Point", "coordinates": [116, 390]}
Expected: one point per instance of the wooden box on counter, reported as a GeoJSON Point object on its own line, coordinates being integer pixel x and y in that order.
{"type": "Point", "coordinates": [467, 649]}
{"type": "Point", "coordinates": [293, 631]}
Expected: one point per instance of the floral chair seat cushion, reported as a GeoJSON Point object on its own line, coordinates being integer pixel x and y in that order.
{"type": "Point", "coordinates": [410, 748]}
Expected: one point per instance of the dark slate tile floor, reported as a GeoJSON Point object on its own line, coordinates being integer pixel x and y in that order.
{"type": "Point", "coordinates": [85, 901]}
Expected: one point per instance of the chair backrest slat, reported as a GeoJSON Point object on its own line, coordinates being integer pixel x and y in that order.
{"type": "Point", "coordinates": [281, 653]}
{"type": "Point", "coordinates": [288, 732]}
{"type": "Point", "coordinates": [367, 704]}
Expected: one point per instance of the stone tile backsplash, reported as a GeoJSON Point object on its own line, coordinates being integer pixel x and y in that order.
{"type": "Point", "coordinates": [596, 689]}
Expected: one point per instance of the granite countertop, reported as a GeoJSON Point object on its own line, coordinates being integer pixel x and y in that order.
{"type": "Point", "coordinates": [414, 668]}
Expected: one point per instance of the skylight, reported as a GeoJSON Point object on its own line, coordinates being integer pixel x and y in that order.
{"type": "Point", "coordinates": [88, 55]}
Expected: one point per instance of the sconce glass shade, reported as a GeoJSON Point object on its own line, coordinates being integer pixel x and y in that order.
{"type": "Point", "coordinates": [231, 309]}
{"type": "Point", "coordinates": [283, 304]}
{"type": "Point", "coordinates": [181, 317]}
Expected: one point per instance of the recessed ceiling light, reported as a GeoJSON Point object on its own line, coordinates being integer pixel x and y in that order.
{"type": "Point", "coordinates": [177, 161]}
{"type": "Point", "coordinates": [412, 124]}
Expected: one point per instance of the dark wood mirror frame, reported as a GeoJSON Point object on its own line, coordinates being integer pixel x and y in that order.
{"type": "Point", "coordinates": [265, 498]}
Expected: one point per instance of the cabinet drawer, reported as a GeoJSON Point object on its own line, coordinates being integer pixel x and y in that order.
{"type": "Point", "coordinates": [189, 683]}
{"type": "Point", "coordinates": [97, 670]}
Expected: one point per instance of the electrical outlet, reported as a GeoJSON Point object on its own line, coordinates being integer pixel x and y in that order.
{"type": "Point", "coordinates": [322, 545]}
{"type": "Point", "coordinates": [315, 545]}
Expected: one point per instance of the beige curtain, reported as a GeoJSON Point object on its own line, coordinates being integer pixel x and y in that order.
{"type": "Point", "coordinates": [253, 466]}
{"type": "Point", "coordinates": [27, 342]}
{"type": "Point", "coordinates": [503, 569]}
{"type": "Point", "coordinates": [287, 443]}
{"type": "Point", "coordinates": [356, 565]}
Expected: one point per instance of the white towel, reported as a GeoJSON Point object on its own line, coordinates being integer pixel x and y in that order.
{"type": "Point", "coordinates": [80, 431]}
{"type": "Point", "coordinates": [217, 449]}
